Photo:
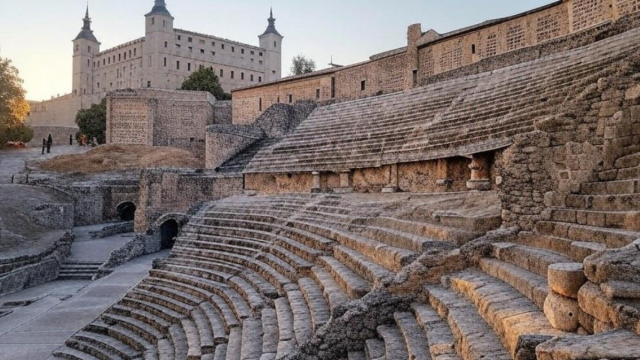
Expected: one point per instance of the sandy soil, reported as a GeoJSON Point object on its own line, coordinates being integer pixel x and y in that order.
{"type": "Point", "coordinates": [107, 158]}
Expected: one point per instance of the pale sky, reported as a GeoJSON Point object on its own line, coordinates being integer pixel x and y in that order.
{"type": "Point", "coordinates": [36, 34]}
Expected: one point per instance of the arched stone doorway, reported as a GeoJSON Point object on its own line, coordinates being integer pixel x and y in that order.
{"type": "Point", "coordinates": [168, 233]}
{"type": "Point", "coordinates": [126, 211]}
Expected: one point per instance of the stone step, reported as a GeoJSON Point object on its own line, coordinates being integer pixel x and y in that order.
{"type": "Point", "coordinates": [140, 328]}
{"type": "Point", "coordinates": [575, 250]}
{"type": "Point", "coordinates": [285, 320]}
{"type": "Point", "coordinates": [271, 334]}
{"type": "Point", "coordinates": [148, 318]}
{"type": "Point", "coordinates": [333, 293]}
{"type": "Point", "coordinates": [216, 323]}
{"type": "Point", "coordinates": [185, 345]}
{"type": "Point", "coordinates": [205, 331]}
{"type": "Point", "coordinates": [298, 263]}
{"type": "Point", "coordinates": [415, 341]}
{"type": "Point", "coordinates": [455, 236]}
{"type": "Point", "coordinates": [94, 349]}
{"type": "Point", "coordinates": [124, 335]}
{"type": "Point", "coordinates": [617, 202]}
{"type": "Point", "coordinates": [221, 352]}
{"type": "Point", "coordinates": [252, 333]}
{"type": "Point", "coordinates": [172, 299]}
{"type": "Point", "coordinates": [517, 321]}
{"type": "Point", "coordinates": [533, 286]}
{"type": "Point", "coordinates": [612, 238]}
{"type": "Point", "coordinates": [360, 264]}
{"type": "Point", "coordinates": [624, 220]}
{"type": "Point", "coordinates": [353, 284]}
{"type": "Point", "coordinates": [475, 340]}
{"type": "Point", "coordinates": [68, 353]}
{"type": "Point", "coordinates": [318, 306]}
{"type": "Point", "coordinates": [166, 350]}
{"type": "Point", "coordinates": [81, 276]}
{"type": "Point", "coordinates": [531, 259]}
{"type": "Point", "coordinates": [440, 339]}
{"type": "Point", "coordinates": [234, 346]}
{"type": "Point", "coordinates": [631, 186]}
{"type": "Point", "coordinates": [375, 350]}
{"type": "Point", "coordinates": [394, 343]}
{"type": "Point", "coordinates": [302, 323]}
{"type": "Point", "coordinates": [157, 310]}
{"type": "Point", "coordinates": [628, 161]}
{"type": "Point", "coordinates": [228, 316]}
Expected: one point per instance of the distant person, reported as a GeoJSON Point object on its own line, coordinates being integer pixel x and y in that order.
{"type": "Point", "coordinates": [70, 140]}
{"type": "Point", "coordinates": [49, 143]}
{"type": "Point", "coordinates": [44, 145]}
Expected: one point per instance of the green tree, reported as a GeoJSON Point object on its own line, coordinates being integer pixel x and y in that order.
{"type": "Point", "coordinates": [301, 65]}
{"type": "Point", "coordinates": [93, 122]}
{"type": "Point", "coordinates": [14, 109]}
{"type": "Point", "coordinates": [205, 80]}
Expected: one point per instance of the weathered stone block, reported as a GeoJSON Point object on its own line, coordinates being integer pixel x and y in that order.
{"type": "Point", "coordinates": [566, 279]}
{"type": "Point", "coordinates": [562, 312]}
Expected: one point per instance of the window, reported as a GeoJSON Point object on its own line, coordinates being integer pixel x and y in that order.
{"type": "Point", "coordinates": [134, 52]}
{"type": "Point", "coordinates": [317, 93]}
{"type": "Point", "coordinates": [88, 63]}
{"type": "Point", "coordinates": [260, 104]}
{"type": "Point", "coordinates": [222, 46]}
{"type": "Point", "coordinates": [153, 21]}
{"type": "Point", "coordinates": [241, 76]}
{"type": "Point", "coordinates": [190, 49]}
{"type": "Point", "coordinates": [259, 78]}
{"type": "Point", "coordinates": [252, 52]}
{"type": "Point", "coordinates": [200, 67]}
{"type": "Point", "coordinates": [130, 51]}
{"type": "Point", "coordinates": [473, 48]}
{"type": "Point", "coordinates": [165, 62]}
{"type": "Point", "coordinates": [190, 39]}
{"type": "Point", "coordinates": [213, 53]}
{"type": "Point", "coordinates": [89, 49]}
{"type": "Point", "coordinates": [98, 85]}
{"type": "Point", "coordinates": [166, 44]}
{"type": "Point", "coordinates": [178, 46]}
{"type": "Point", "coordinates": [148, 84]}
{"type": "Point", "coordinates": [363, 85]}
{"type": "Point", "coordinates": [275, 44]}
{"type": "Point", "coordinates": [251, 77]}
{"type": "Point", "coordinates": [109, 60]}
{"type": "Point", "coordinates": [260, 62]}
{"type": "Point", "coordinates": [213, 43]}
{"type": "Point", "coordinates": [188, 66]}
{"type": "Point", "coordinates": [242, 51]}
{"type": "Point", "coordinates": [290, 98]}
{"type": "Point", "coordinates": [164, 23]}
{"type": "Point", "coordinates": [333, 87]}
{"type": "Point", "coordinates": [125, 56]}
{"type": "Point", "coordinates": [103, 62]}
{"type": "Point", "coordinates": [233, 74]}
{"type": "Point", "coordinates": [278, 99]}
{"type": "Point", "coordinates": [260, 53]}
{"type": "Point", "coordinates": [415, 77]}
{"type": "Point", "coordinates": [221, 73]}
{"type": "Point", "coordinates": [179, 37]}
{"type": "Point", "coordinates": [119, 57]}
{"type": "Point", "coordinates": [233, 49]}
{"type": "Point", "coordinates": [201, 51]}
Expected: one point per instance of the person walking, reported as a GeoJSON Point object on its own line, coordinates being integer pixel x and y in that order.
{"type": "Point", "coordinates": [44, 145]}
{"type": "Point", "coordinates": [70, 140]}
{"type": "Point", "coordinates": [49, 143]}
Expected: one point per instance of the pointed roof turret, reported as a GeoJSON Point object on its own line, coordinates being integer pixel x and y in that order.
{"type": "Point", "coordinates": [160, 8]}
{"type": "Point", "coordinates": [271, 29]}
{"type": "Point", "coordinates": [86, 32]}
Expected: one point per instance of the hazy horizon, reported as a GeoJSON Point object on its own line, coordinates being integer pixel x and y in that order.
{"type": "Point", "coordinates": [40, 44]}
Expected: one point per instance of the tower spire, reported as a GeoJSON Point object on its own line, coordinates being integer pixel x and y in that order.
{"type": "Point", "coordinates": [271, 29]}
{"type": "Point", "coordinates": [86, 32]}
{"type": "Point", "coordinates": [159, 8]}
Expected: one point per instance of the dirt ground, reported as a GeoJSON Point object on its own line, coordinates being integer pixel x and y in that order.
{"type": "Point", "coordinates": [107, 158]}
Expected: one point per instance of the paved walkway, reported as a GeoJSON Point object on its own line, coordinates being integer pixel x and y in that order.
{"type": "Point", "coordinates": [12, 160]}
{"type": "Point", "coordinates": [86, 249]}
{"type": "Point", "coordinates": [63, 307]}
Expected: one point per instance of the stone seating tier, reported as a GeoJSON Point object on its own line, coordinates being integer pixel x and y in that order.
{"type": "Point", "coordinates": [457, 117]}
{"type": "Point", "coordinates": [254, 278]}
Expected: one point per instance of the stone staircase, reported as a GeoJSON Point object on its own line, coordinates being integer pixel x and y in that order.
{"type": "Point", "coordinates": [468, 115]}
{"type": "Point", "coordinates": [79, 270]}
{"type": "Point", "coordinates": [256, 277]}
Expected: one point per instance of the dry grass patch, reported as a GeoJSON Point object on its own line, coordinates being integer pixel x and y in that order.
{"type": "Point", "coordinates": [122, 157]}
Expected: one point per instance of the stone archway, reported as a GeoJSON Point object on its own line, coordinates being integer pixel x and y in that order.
{"type": "Point", "coordinates": [126, 211]}
{"type": "Point", "coordinates": [168, 233]}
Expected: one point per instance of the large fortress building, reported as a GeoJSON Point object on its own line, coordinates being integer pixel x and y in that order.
{"type": "Point", "coordinates": [161, 59]}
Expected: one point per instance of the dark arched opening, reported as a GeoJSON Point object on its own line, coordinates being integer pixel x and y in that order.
{"type": "Point", "coordinates": [168, 233]}
{"type": "Point", "coordinates": [126, 211]}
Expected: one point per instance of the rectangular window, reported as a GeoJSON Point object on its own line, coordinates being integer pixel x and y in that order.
{"type": "Point", "coordinates": [222, 46]}
{"type": "Point", "coordinates": [179, 37]}
{"type": "Point", "coordinates": [275, 44]}
{"type": "Point", "coordinates": [213, 53]}
{"type": "Point", "coordinates": [260, 62]}
{"type": "Point", "coordinates": [130, 51]}
{"type": "Point", "coordinates": [178, 46]}
{"type": "Point", "coordinates": [188, 66]}
{"type": "Point", "coordinates": [242, 51]}
{"type": "Point", "coordinates": [164, 23]}
{"type": "Point", "coordinates": [333, 88]}
{"type": "Point", "coordinates": [166, 44]}
{"type": "Point", "coordinates": [177, 65]}
{"type": "Point", "coordinates": [88, 63]}
{"type": "Point", "coordinates": [190, 49]}
{"type": "Point", "coordinates": [201, 51]}
{"type": "Point", "coordinates": [119, 57]}
{"type": "Point", "coordinates": [148, 84]}
{"type": "Point", "coordinates": [165, 62]}
{"type": "Point", "coordinates": [260, 53]}
{"type": "Point", "coordinates": [363, 85]}
{"type": "Point", "coordinates": [251, 77]}
{"type": "Point", "coordinates": [473, 48]}
{"type": "Point", "coordinates": [290, 98]}
{"type": "Point", "coordinates": [190, 39]}
{"type": "Point", "coordinates": [134, 52]}
{"type": "Point", "coordinates": [153, 21]}
{"type": "Point", "coordinates": [241, 76]}
{"type": "Point", "coordinates": [221, 73]}
{"type": "Point", "coordinates": [233, 74]}
{"type": "Point", "coordinates": [252, 52]}
{"type": "Point", "coordinates": [125, 56]}
{"type": "Point", "coordinates": [415, 77]}
{"type": "Point", "coordinates": [89, 49]}
{"type": "Point", "coordinates": [233, 49]}
{"type": "Point", "coordinates": [259, 78]}
{"type": "Point", "coordinates": [200, 67]}
{"type": "Point", "coordinates": [213, 43]}
{"type": "Point", "coordinates": [260, 105]}
{"type": "Point", "coordinates": [317, 93]}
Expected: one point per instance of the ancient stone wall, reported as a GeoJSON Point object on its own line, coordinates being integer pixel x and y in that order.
{"type": "Point", "coordinates": [225, 141]}
{"type": "Point", "coordinates": [59, 135]}
{"type": "Point", "coordinates": [164, 191]}
{"type": "Point", "coordinates": [223, 112]}
{"type": "Point", "coordinates": [160, 118]}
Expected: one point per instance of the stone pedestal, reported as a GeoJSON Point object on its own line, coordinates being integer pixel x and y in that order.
{"type": "Point", "coordinates": [480, 173]}
{"type": "Point", "coordinates": [442, 174]}
{"type": "Point", "coordinates": [315, 185]}
{"type": "Point", "coordinates": [393, 180]}
{"type": "Point", "coordinates": [345, 183]}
